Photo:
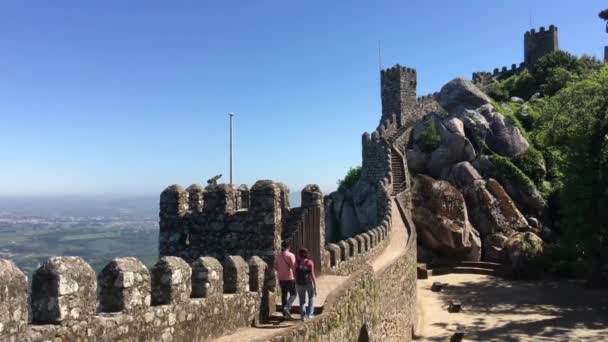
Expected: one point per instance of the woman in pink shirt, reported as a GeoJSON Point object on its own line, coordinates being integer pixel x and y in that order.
{"type": "Point", "coordinates": [284, 264]}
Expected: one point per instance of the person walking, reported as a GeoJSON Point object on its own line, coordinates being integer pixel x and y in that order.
{"type": "Point", "coordinates": [284, 264]}
{"type": "Point", "coordinates": [306, 283]}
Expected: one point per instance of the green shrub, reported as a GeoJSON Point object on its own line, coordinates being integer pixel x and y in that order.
{"type": "Point", "coordinates": [352, 177]}
{"type": "Point", "coordinates": [512, 172]}
{"type": "Point", "coordinates": [532, 164]}
{"type": "Point", "coordinates": [429, 139]}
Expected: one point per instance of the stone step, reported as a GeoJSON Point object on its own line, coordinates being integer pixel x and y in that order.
{"type": "Point", "coordinates": [295, 309]}
{"type": "Point", "coordinates": [482, 264]}
{"type": "Point", "coordinates": [470, 270]}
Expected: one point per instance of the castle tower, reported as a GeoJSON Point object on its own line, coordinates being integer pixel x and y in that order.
{"type": "Point", "coordinates": [398, 86]}
{"type": "Point", "coordinates": [539, 44]}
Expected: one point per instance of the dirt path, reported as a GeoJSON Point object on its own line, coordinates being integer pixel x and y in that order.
{"type": "Point", "coordinates": [498, 310]}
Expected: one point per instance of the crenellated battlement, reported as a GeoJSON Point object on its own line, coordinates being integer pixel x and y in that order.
{"type": "Point", "coordinates": [220, 220]}
{"type": "Point", "coordinates": [539, 43]}
{"type": "Point", "coordinates": [542, 30]}
{"type": "Point", "coordinates": [134, 303]}
{"type": "Point", "coordinates": [398, 85]}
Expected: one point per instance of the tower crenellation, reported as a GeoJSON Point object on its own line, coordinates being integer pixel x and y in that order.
{"type": "Point", "coordinates": [398, 85]}
{"type": "Point", "coordinates": [540, 43]}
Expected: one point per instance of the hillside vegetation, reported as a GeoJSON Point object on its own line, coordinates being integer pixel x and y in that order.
{"type": "Point", "coordinates": [565, 118]}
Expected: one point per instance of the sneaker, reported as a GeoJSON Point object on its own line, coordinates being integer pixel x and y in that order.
{"type": "Point", "coordinates": [286, 313]}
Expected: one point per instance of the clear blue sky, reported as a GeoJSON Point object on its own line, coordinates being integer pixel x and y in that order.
{"type": "Point", "coordinates": [108, 97]}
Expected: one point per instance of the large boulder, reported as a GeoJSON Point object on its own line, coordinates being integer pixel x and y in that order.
{"type": "Point", "coordinates": [441, 220]}
{"type": "Point", "coordinates": [437, 144]}
{"type": "Point", "coordinates": [521, 249]}
{"type": "Point", "coordinates": [461, 175]}
{"type": "Point", "coordinates": [486, 127]}
{"type": "Point", "coordinates": [491, 209]}
{"type": "Point", "coordinates": [494, 248]}
{"type": "Point", "coordinates": [521, 189]}
{"type": "Point", "coordinates": [506, 139]}
{"type": "Point", "coordinates": [460, 94]}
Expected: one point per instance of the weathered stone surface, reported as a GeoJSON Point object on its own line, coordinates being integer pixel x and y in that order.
{"type": "Point", "coordinates": [223, 226]}
{"type": "Point", "coordinates": [459, 94]}
{"type": "Point", "coordinates": [453, 146]}
{"type": "Point", "coordinates": [441, 219]}
{"type": "Point", "coordinates": [312, 196]}
{"type": "Point", "coordinates": [13, 300]}
{"type": "Point", "coordinates": [63, 289]}
{"type": "Point", "coordinates": [461, 175]}
{"type": "Point", "coordinates": [171, 281]}
{"type": "Point", "coordinates": [257, 272]}
{"type": "Point", "coordinates": [349, 223]}
{"type": "Point", "coordinates": [124, 285]}
{"type": "Point", "coordinates": [207, 278]}
{"type": "Point", "coordinates": [486, 127]}
{"type": "Point", "coordinates": [236, 275]}
{"type": "Point", "coordinates": [491, 210]}
{"type": "Point", "coordinates": [525, 194]}
{"type": "Point", "coordinates": [494, 248]}
{"type": "Point", "coordinates": [505, 139]}
{"type": "Point", "coordinates": [521, 248]}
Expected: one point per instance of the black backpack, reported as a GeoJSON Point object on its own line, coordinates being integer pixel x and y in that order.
{"type": "Point", "coordinates": [302, 273]}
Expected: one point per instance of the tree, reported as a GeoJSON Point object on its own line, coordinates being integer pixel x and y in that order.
{"type": "Point", "coordinates": [575, 121]}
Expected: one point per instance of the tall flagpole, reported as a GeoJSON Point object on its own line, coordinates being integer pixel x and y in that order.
{"type": "Point", "coordinates": [231, 144]}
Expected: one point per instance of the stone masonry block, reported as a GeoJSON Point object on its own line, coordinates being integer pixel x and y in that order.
{"type": "Point", "coordinates": [219, 200]}
{"type": "Point", "coordinates": [171, 281]}
{"type": "Point", "coordinates": [63, 289]}
{"type": "Point", "coordinates": [196, 200]}
{"type": "Point", "coordinates": [13, 299]}
{"type": "Point", "coordinates": [207, 277]}
{"type": "Point", "coordinates": [344, 250]}
{"type": "Point", "coordinates": [367, 241]}
{"type": "Point", "coordinates": [124, 285]}
{"type": "Point", "coordinates": [372, 240]}
{"type": "Point", "coordinates": [360, 244]}
{"type": "Point", "coordinates": [334, 254]}
{"type": "Point", "coordinates": [236, 275]}
{"type": "Point", "coordinates": [257, 270]}
{"type": "Point", "coordinates": [173, 202]}
{"type": "Point", "coordinates": [312, 196]}
{"type": "Point", "coordinates": [265, 196]}
{"type": "Point", "coordinates": [353, 247]}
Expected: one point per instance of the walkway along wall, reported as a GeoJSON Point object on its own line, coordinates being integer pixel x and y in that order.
{"type": "Point", "coordinates": [379, 305]}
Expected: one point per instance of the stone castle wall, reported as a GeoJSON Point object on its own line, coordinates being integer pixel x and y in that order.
{"type": "Point", "coordinates": [370, 306]}
{"type": "Point", "coordinates": [174, 302]}
{"type": "Point", "coordinates": [536, 45]}
{"type": "Point", "coordinates": [539, 44]}
{"type": "Point", "coordinates": [398, 89]}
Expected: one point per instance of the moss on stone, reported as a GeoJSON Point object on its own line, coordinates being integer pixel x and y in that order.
{"type": "Point", "coordinates": [532, 164]}
{"type": "Point", "coordinates": [506, 167]}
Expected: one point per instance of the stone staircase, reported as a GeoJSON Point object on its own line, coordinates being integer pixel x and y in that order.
{"type": "Point", "coordinates": [471, 267]}
{"type": "Point", "coordinates": [398, 172]}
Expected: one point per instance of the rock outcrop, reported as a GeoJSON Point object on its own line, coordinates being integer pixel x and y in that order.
{"type": "Point", "coordinates": [522, 190]}
{"type": "Point", "coordinates": [491, 209]}
{"type": "Point", "coordinates": [486, 127]}
{"type": "Point", "coordinates": [441, 220]}
{"type": "Point", "coordinates": [460, 94]}
{"type": "Point", "coordinates": [521, 248]}
{"type": "Point", "coordinates": [451, 146]}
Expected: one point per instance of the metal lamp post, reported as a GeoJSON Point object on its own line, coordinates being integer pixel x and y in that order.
{"type": "Point", "coordinates": [231, 115]}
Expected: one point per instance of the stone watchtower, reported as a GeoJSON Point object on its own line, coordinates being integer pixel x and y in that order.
{"type": "Point", "coordinates": [539, 44]}
{"type": "Point", "coordinates": [398, 86]}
